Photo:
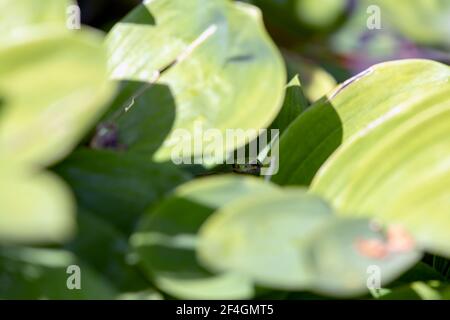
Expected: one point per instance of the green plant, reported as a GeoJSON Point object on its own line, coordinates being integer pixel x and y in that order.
{"type": "Point", "coordinates": [362, 186]}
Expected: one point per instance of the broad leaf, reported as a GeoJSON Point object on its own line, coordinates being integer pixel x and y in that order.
{"type": "Point", "coordinates": [291, 240]}
{"type": "Point", "coordinates": [398, 170]}
{"type": "Point", "coordinates": [42, 120]}
{"type": "Point", "coordinates": [423, 21]}
{"type": "Point", "coordinates": [34, 207]}
{"type": "Point", "coordinates": [294, 103]}
{"type": "Point", "coordinates": [166, 239]}
{"type": "Point", "coordinates": [28, 18]}
{"type": "Point", "coordinates": [344, 268]}
{"type": "Point", "coordinates": [228, 75]}
{"type": "Point", "coordinates": [365, 101]}
{"type": "Point", "coordinates": [264, 237]}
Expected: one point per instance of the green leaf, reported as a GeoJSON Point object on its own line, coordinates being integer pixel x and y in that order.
{"type": "Point", "coordinates": [294, 104]}
{"type": "Point", "coordinates": [109, 254]}
{"type": "Point", "coordinates": [342, 269]}
{"type": "Point", "coordinates": [118, 187]}
{"type": "Point", "coordinates": [217, 191]}
{"type": "Point", "coordinates": [231, 75]}
{"type": "Point", "coordinates": [291, 240]}
{"type": "Point", "coordinates": [31, 273]}
{"type": "Point", "coordinates": [264, 237]}
{"type": "Point", "coordinates": [26, 18]}
{"type": "Point", "coordinates": [398, 171]}
{"type": "Point", "coordinates": [165, 241]}
{"type": "Point", "coordinates": [35, 207]}
{"type": "Point", "coordinates": [42, 121]}
{"type": "Point", "coordinates": [423, 21]}
{"type": "Point", "coordinates": [362, 102]}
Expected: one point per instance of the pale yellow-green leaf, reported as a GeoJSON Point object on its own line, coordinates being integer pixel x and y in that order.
{"type": "Point", "coordinates": [52, 89]}
{"type": "Point", "coordinates": [398, 169]}
{"type": "Point", "coordinates": [34, 207]}
{"type": "Point", "coordinates": [232, 75]}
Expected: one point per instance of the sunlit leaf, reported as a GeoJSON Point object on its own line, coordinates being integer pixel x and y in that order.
{"type": "Point", "coordinates": [28, 18]}
{"type": "Point", "coordinates": [398, 171]}
{"type": "Point", "coordinates": [34, 207]}
{"type": "Point", "coordinates": [345, 267]}
{"type": "Point", "coordinates": [166, 239]}
{"type": "Point", "coordinates": [42, 120]}
{"type": "Point", "coordinates": [230, 74]}
{"type": "Point", "coordinates": [365, 101]}
{"type": "Point", "coordinates": [264, 237]}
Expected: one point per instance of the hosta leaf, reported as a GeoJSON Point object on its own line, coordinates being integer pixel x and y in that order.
{"type": "Point", "coordinates": [217, 191]}
{"type": "Point", "coordinates": [398, 172]}
{"type": "Point", "coordinates": [41, 121]}
{"type": "Point", "coordinates": [231, 76]}
{"type": "Point", "coordinates": [118, 187]}
{"type": "Point", "coordinates": [21, 17]}
{"type": "Point", "coordinates": [420, 272]}
{"type": "Point", "coordinates": [34, 207]}
{"type": "Point", "coordinates": [342, 269]}
{"type": "Point", "coordinates": [165, 242]}
{"type": "Point", "coordinates": [424, 21]}
{"type": "Point", "coordinates": [365, 101]}
{"type": "Point", "coordinates": [265, 238]}
{"type": "Point", "coordinates": [30, 273]}
{"type": "Point", "coordinates": [53, 86]}
{"type": "Point", "coordinates": [291, 240]}
{"type": "Point", "coordinates": [294, 103]}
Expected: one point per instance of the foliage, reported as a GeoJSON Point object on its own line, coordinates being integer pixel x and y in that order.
{"type": "Point", "coordinates": [89, 122]}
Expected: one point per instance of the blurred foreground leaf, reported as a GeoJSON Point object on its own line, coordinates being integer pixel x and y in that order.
{"type": "Point", "coordinates": [53, 87]}
{"type": "Point", "coordinates": [291, 240]}
{"type": "Point", "coordinates": [166, 239]}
